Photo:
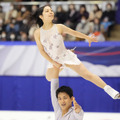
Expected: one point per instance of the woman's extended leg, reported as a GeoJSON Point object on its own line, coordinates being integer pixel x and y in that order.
{"type": "Point", "coordinates": [83, 72]}
{"type": "Point", "coordinates": [86, 74]}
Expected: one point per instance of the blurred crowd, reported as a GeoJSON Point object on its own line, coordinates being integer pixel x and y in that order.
{"type": "Point", "coordinates": [38, 0]}
{"type": "Point", "coordinates": [14, 24]}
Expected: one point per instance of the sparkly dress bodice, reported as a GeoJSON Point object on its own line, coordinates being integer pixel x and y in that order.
{"type": "Point", "coordinates": [53, 44]}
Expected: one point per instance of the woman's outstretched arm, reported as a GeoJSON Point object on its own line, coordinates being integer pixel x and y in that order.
{"type": "Point", "coordinates": [67, 30]}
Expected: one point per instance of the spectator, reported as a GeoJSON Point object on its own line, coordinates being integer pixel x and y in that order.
{"type": "Point", "coordinates": [82, 12]}
{"type": "Point", "coordinates": [24, 36]}
{"type": "Point", "coordinates": [109, 13]}
{"type": "Point", "coordinates": [34, 8]}
{"type": "Point", "coordinates": [3, 36]}
{"type": "Point", "coordinates": [2, 14]}
{"type": "Point", "coordinates": [12, 27]}
{"type": "Point", "coordinates": [60, 16]}
{"type": "Point", "coordinates": [11, 14]}
{"type": "Point", "coordinates": [83, 26]}
{"type": "Point", "coordinates": [106, 24]}
{"type": "Point", "coordinates": [2, 26]}
{"type": "Point", "coordinates": [23, 13]}
{"type": "Point", "coordinates": [12, 36]}
{"type": "Point", "coordinates": [71, 16]}
{"type": "Point", "coordinates": [108, 19]}
{"type": "Point", "coordinates": [30, 33]}
{"type": "Point", "coordinates": [97, 30]}
{"type": "Point", "coordinates": [97, 27]}
{"type": "Point", "coordinates": [96, 13]}
{"type": "Point", "coordinates": [24, 30]}
{"type": "Point", "coordinates": [24, 26]}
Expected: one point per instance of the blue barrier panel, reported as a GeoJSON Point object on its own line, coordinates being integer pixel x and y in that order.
{"type": "Point", "coordinates": [33, 93]}
{"type": "Point", "coordinates": [69, 43]}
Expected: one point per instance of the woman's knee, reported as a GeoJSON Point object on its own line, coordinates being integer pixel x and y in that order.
{"type": "Point", "coordinates": [47, 78]}
{"type": "Point", "coordinates": [52, 73]}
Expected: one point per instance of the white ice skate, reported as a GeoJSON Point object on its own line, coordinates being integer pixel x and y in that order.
{"type": "Point", "coordinates": [112, 92]}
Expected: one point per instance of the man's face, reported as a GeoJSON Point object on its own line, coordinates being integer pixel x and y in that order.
{"type": "Point", "coordinates": [64, 101]}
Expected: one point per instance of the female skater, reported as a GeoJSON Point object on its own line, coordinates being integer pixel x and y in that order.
{"type": "Point", "coordinates": [51, 46]}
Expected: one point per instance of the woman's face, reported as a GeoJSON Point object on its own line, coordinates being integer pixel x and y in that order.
{"type": "Point", "coordinates": [71, 7]}
{"type": "Point", "coordinates": [109, 7]}
{"type": "Point", "coordinates": [48, 14]}
{"type": "Point", "coordinates": [82, 9]}
{"type": "Point", "coordinates": [59, 9]}
{"type": "Point", "coordinates": [95, 8]}
{"type": "Point", "coordinates": [64, 101]}
{"type": "Point", "coordinates": [96, 21]}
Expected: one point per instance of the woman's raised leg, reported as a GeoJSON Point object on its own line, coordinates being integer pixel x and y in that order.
{"type": "Point", "coordinates": [86, 74]}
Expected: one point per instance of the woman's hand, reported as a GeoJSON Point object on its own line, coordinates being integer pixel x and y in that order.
{"type": "Point", "coordinates": [55, 64]}
{"type": "Point", "coordinates": [77, 107]}
{"type": "Point", "coordinates": [92, 38]}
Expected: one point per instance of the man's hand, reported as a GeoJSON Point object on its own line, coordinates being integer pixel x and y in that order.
{"type": "Point", "coordinates": [92, 38]}
{"type": "Point", "coordinates": [77, 107]}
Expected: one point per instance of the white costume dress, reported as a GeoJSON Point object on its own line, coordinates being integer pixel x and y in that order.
{"type": "Point", "coordinates": [53, 44]}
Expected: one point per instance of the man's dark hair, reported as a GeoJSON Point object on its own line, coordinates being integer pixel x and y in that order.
{"type": "Point", "coordinates": [65, 89]}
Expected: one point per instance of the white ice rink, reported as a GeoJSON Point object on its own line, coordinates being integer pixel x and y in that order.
{"type": "Point", "coordinates": [30, 115]}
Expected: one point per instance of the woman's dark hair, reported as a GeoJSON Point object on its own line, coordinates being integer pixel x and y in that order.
{"type": "Point", "coordinates": [34, 19]}
{"type": "Point", "coordinates": [96, 5]}
{"type": "Point", "coordinates": [65, 89]}
{"type": "Point", "coordinates": [83, 6]}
